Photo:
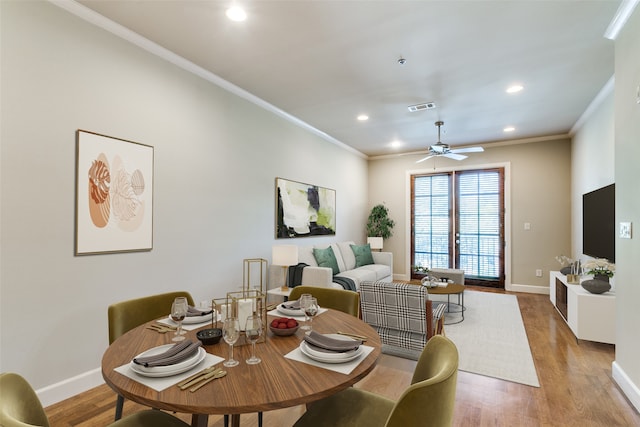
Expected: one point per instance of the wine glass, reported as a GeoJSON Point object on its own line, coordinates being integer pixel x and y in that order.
{"type": "Point", "coordinates": [253, 330]}
{"type": "Point", "coordinates": [311, 309]}
{"type": "Point", "coordinates": [231, 333]}
{"type": "Point", "coordinates": [178, 312]}
{"type": "Point", "coordinates": [304, 298]}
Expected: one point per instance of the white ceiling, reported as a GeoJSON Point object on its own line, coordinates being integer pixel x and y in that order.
{"type": "Point", "coordinates": [325, 62]}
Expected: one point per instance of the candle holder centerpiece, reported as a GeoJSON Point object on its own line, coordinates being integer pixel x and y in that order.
{"type": "Point", "coordinates": [245, 303]}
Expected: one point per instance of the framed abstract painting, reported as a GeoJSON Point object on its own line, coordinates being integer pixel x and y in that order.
{"type": "Point", "coordinates": [114, 195]}
{"type": "Point", "coordinates": [304, 210]}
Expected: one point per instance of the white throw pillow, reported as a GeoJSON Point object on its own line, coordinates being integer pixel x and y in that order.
{"type": "Point", "coordinates": [305, 255]}
{"type": "Point", "coordinates": [347, 255]}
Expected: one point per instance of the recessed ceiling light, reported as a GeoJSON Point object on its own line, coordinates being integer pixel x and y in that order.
{"type": "Point", "coordinates": [363, 117]}
{"type": "Point", "coordinates": [514, 88]}
{"type": "Point", "coordinates": [395, 144]}
{"type": "Point", "coordinates": [236, 13]}
{"type": "Point", "coordinates": [509, 129]}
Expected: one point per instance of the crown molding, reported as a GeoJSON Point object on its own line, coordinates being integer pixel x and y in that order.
{"type": "Point", "coordinates": [624, 12]}
{"type": "Point", "coordinates": [484, 145]}
{"type": "Point", "coordinates": [606, 90]}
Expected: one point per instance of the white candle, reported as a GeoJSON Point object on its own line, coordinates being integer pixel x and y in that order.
{"type": "Point", "coordinates": [245, 309]}
{"type": "Point", "coordinates": [222, 310]}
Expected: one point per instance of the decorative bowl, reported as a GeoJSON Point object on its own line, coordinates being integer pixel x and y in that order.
{"type": "Point", "coordinates": [283, 332]}
{"type": "Point", "coordinates": [209, 336]}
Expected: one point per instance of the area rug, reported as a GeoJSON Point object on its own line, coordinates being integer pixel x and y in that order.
{"type": "Point", "coordinates": [491, 340]}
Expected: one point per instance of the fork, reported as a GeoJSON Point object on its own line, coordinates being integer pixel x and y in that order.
{"type": "Point", "coordinates": [160, 329]}
{"type": "Point", "coordinates": [215, 376]}
{"type": "Point", "coordinates": [197, 377]}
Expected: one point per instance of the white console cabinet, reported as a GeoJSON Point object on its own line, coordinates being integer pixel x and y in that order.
{"type": "Point", "coordinates": [591, 317]}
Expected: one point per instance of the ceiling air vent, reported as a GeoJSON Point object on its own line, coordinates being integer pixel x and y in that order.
{"type": "Point", "coordinates": [420, 107]}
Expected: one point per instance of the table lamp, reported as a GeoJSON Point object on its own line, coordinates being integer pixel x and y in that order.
{"type": "Point", "coordinates": [375, 243]}
{"type": "Point", "coordinates": [284, 256]}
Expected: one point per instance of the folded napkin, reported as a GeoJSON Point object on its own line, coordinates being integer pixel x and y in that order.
{"type": "Point", "coordinates": [194, 312]}
{"type": "Point", "coordinates": [332, 344]}
{"type": "Point", "coordinates": [175, 354]}
{"type": "Point", "coordinates": [291, 305]}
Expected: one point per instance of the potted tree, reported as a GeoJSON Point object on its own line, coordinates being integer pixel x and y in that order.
{"type": "Point", "coordinates": [379, 226]}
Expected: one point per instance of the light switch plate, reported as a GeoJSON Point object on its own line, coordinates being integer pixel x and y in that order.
{"type": "Point", "coordinates": [625, 230]}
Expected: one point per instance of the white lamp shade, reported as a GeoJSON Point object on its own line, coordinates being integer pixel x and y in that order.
{"type": "Point", "coordinates": [284, 255]}
{"type": "Point", "coordinates": [375, 242]}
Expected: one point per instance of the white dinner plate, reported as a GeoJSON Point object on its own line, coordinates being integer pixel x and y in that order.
{"type": "Point", "coordinates": [305, 351]}
{"type": "Point", "coordinates": [317, 352]}
{"type": "Point", "coordinates": [320, 356]}
{"type": "Point", "coordinates": [289, 311]}
{"type": "Point", "coordinates": [167, 371]}
{"type": "Point", "coordinates": [193, 319]}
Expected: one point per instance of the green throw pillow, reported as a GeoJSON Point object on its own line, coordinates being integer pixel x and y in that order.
{"type": "Point", "coordinates": [326, 258]}
{"type": "Point", "coordinates": [363, 254]}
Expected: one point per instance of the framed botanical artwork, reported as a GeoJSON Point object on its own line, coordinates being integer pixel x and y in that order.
{"type": "Point", "coordinates": [304, 210]}
{"type": "Point", "coordinates": [114, 195]}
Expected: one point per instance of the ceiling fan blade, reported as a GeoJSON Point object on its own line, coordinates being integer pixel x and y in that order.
{"type": "Point", "coordinates": [454, 156]}
{"type": "Point", "coordinates": [426, 158]}
{"type": "Point", "coordinates": [468, 150]}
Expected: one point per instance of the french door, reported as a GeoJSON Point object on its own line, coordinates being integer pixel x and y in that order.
{"type": "Point", "coordinates": [457, 221]}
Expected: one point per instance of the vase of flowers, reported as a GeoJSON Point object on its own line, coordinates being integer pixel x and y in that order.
{"type": "Point", "coordinates": [602, 270]}
{"type": "Point", "coordinates": [568, 265]}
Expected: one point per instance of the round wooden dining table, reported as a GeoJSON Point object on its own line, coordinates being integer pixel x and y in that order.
{"type": "Point", "coordinates": [277, 382]}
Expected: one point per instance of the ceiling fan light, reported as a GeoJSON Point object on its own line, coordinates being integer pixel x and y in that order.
{"type": "Point", "coordinates": [439, 148]}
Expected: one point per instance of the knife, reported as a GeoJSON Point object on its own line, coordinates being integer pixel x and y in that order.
{"type": "Point", "coordinates": [191, 380]}
{"type": "Point", "coordinates": [164, 325]}
{"type": "Point", "coordinates": [159, 329]}
{"type": "Point", "coordinates": [358, 337]}
{"type": "Point", "coordinates": [217, 375]}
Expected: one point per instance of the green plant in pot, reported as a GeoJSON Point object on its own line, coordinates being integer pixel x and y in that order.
{"type": "Point", "coordinates": [379, 224]}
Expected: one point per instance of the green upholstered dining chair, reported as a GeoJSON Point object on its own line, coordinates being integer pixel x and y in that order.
{"type": "Point", "coordinates": [428, 401]}
{"type": "Point", "coordinates": [337, 299]}
{"type": "Point", "coordinates": [126, 315]}
{"type": "Point", "coordinates": [20, 407]}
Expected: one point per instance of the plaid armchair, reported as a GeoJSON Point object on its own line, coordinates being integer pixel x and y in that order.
{"type": "Point", "coordinates": [401, 313]}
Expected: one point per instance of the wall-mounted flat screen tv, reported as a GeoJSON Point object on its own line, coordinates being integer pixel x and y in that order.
{"type": "Point", "coordinates": [599, 223]}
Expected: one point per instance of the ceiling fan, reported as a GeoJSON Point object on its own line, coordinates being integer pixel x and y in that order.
{"type": "Point", "coordinates": [441, 149]}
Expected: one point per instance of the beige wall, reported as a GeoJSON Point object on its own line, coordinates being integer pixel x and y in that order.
{"type": "Point", "coordinates": [216, 159]}
{"type": "Point", "coordinates": [627, 177]}
{"type": "Point", "coordinates": [538, 192]}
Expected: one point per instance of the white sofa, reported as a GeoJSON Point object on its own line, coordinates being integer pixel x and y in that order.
{"type": "Point", "coordinates": [313, 275]}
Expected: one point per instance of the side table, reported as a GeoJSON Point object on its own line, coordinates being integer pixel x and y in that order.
{"type": "Point", "coordinates": [280, 292]}
{"type": "Point", "coordinates": [451, 289]}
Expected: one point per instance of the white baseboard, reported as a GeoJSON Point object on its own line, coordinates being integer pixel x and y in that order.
{"type": "Point", "coordinates": [70, 387]}
{"type": "Point", "coordinates": [626, 385]}
{"type": "Point", "coordinates": [530, 289]}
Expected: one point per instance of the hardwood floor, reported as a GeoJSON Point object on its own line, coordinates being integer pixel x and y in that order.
{"type": "Point", "coordinates": [576, 386]}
